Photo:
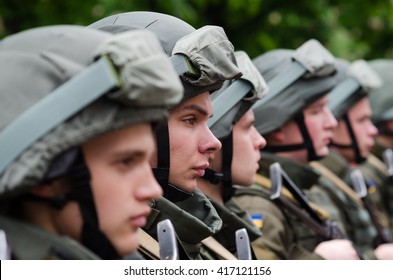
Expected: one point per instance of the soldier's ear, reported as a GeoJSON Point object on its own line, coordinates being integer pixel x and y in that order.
{"type": "Point", "coordinates": [275, 137]}
{"type": "Point", "coordinates": [50, 189]}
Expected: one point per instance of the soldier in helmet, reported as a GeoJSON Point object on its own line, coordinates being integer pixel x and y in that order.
{"type": "Point", "coordinates": [297, 125]}
{"type": "Point", "coordinates": [233, 124]}
{"type": "Point", "coordinates": [350, 148]}
{"type": "Point", "coordinates": [77, 109]}
{"type": "Point", "coordinates": [381, 102]}
{"type": "Point", "coordinates": [203, 59]}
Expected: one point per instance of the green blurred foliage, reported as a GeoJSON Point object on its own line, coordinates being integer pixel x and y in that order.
{"type": "Point", "coordinates": [351, 29]}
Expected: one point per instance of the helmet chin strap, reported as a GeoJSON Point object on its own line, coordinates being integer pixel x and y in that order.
{"type": "Point", "coordinates": [161, 172]}
{"type": "Point", "coordinates": [225, 176]}
{"type": "Point", "coordinates": [307, 144]}
{"type": "Point", "coordinates": [92, 237]}
{"type": "Point", "coordinates": [354, 143]}
{"type": "Point", "coordinates": [78, 174]}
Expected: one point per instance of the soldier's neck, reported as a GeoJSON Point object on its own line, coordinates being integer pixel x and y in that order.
{"type": "Point", "coordinates": [211, 190]}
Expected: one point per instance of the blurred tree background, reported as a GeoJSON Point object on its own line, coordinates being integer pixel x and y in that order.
{"type": "Point", "coordinates": [351, 29]}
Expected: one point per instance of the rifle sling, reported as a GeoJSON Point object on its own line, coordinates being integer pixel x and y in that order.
{"type": "Point", "coordinates": [319, 229]}
{"type": "Point", "coordinates": [216, 247]}
{"type": "Point", "coordinates": [337, 181]}
{"type": "Point", "coordinates": [148, 245]}
{"type": "Point", "coordinates": [265, 182]}
{"type": "Point", "coordinates": [378, 164]}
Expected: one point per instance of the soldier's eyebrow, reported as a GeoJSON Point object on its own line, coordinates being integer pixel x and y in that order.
{"type": "Point", "coordinates": [197, 108]}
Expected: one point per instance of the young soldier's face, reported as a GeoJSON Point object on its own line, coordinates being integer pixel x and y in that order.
{"type": "Point", "coordinates": [247, 143]}
{"type": "Point", "coordinates": [320, 123]}
{"type": "Point", "coordinates": [122, 182]}
{"type": "Point", "coordinates": [192, 143]}
{"type": "Point", "coordinates": [364, 130]}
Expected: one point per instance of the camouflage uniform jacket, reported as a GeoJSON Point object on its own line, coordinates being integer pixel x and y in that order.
{"type": "Point", "coordinates": [386, 192]}
{"type": "Point", "coordinates": [357, 220]}
{"type": "Point", "coordinates": [284, 236]}
{"type": "Point", "coordinates": [194, 219]}
{"type": "Point", "coordinates": [233, 218]}
{"type": "Point", "coordinates": [31, 242]}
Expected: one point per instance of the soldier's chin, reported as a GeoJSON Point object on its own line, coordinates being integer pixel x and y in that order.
{"type": "Point", "coordinates": [188, 186]}
{"type": "Point", "coordinates": [128, 245]}
{"type": "Point", "coordinates": [323, 152]}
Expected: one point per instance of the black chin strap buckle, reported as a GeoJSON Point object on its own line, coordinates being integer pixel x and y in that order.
{"type": "Point", "coordinates": [213, 177]}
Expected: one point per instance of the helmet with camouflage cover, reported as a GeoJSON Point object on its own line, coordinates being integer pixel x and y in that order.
{"type": "Point", "coordinates": [230, 103]}
{"type": "Point", "coordinates": [359, 80]}
{"type": "Point", "coordinates": [51, 62]}
{"type": "Point", "coordinates": [381, 99]}
{"type": "Point", "coordinates": [296, 78]}
{"type": "Point", "coordinates": [64, 85]}
{"type": "Point", "coordinates": [203, 58]}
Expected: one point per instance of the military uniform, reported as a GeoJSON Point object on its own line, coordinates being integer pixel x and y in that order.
{"type": "Point", "coordinates": [234, 218]}
{"type": "Point", "coordinates": [381, 102]}
{"type": "Point", "coordinates": [31, 242]}
{"type": "Point", "coordinates": [193, 218]}
{"type": "Point", "coordinates": [278, 241]}
{"type": "Point", "coordinates": [358, 222]}
{"type": "Point", "coordinates": [314, 187]}
{"type": "Point", "coordinates": [197, 219]}
{"type": "Point", "coordinates": [379, 188]}
{"type": "Point", "coordinates": [284, 234]}
{"type": "Point", "coordinates": [386, 191]}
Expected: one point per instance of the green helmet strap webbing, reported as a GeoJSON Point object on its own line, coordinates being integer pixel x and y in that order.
{"type": "Point", "coordinates": [307, 141]}
{"type": "Point", "coordinates": [226, 100]}
{"type": "Point", "coordinates": [62, 103]}
{"type": "Point", "coordinates": [282, 81]}
{"type": "Point", "coordinates": [354, 143]}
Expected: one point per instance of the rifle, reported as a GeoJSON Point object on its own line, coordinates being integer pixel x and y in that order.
{"type": "Point", "coordinates": [388, 159]}
{"type": "Point", "coordinates": [167, 240]}
{"type": "Point", "coordinates": [328, 230]}
{"type": "Point", "coordinates": [360, 187]}
{"type": "Point", "coordinates": [243, 245]}
{"type": "Point", "coordinates": [5, 251]}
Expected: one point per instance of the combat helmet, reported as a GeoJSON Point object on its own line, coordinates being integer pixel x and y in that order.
{"type": "Point", "coordinates": [359, 80]}
{"type": "Point", "coordinates": [296, 78]}
{"type": "Point", "coordinates": [230, 103]}
{"type": "Point", "coordinates": [203, 58]}
{"type": "Point", "coordinates": [64, 85]}
{"type": "Point", "coordinates": [381, 99]}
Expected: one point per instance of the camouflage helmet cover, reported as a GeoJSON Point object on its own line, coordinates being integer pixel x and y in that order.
{"type": "Point", "coordinates": [227, 107]}
{"type": "Point", "coordinates": [381, 99]}
{"type": "Point", "coordinates": [359, 80]}
{"type": "Point", "coordinates": [275, 110]}
{"type": "Point", "coordinates": [35, 63]}
{"type": "Point", "coordinates": [206, 54]}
